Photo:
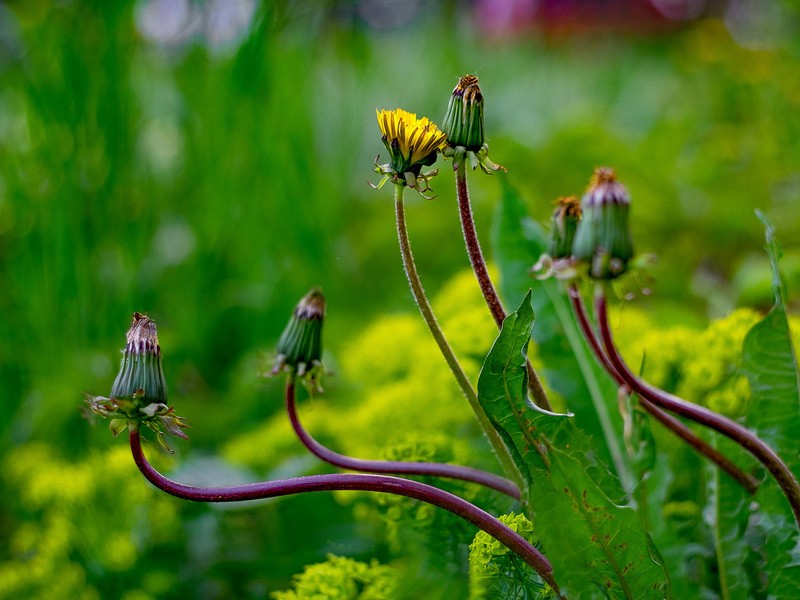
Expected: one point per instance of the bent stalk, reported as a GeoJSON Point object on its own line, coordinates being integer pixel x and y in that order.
{"type": "Point", "coordinates": [731, 429]}
{"type": "Point", "coordinates": [489, 480]}
{"type": "Point", "coordinates": [747, 481]}
{"type": "Point", "coordinates": [357, 482]}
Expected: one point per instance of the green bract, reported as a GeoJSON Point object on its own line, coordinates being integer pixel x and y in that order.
{"type": "Point", "coordinates": [603, 238]}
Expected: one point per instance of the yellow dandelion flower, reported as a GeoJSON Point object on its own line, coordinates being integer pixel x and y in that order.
{"type": "Point", "coordinates": [412, 143]}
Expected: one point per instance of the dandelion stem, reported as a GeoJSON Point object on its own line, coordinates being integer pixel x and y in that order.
{"type": "Point", "coordinates": [484, 478]}
{"type": "Point", "coordinates": [436, 331]}
{"type": "Point", "coordinates": [731, 429]}
{"type": "Point", "coordinates": [349, 481]}
{"type": "Point", "coordinates": [488, 290]}
{"type": "Point", "coordinates": [747, 481]}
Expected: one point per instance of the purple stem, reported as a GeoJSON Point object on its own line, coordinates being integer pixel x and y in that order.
{"type": "Point", "coordinates": [484, 478]}
{"type": "Point", "coordinates": [731, 429]}
{"type": "Point", "coordinates": [746, 480]}
{"type": "Point", "coordinates": [485, 281]}
{"type": "Point", "coordinates": [356, 482]}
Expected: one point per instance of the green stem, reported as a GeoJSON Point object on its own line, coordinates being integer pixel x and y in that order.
{"type": "Point", "coordinates": [538, 395]}
{"type": "Point", "coordinates": [436, 331]}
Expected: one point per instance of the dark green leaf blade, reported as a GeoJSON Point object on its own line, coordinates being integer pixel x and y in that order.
{"type": "Point", "coordinates": [597, 548]}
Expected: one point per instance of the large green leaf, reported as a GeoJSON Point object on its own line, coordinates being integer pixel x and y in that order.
{"type": "Point", "coordinates": [597, 548]}
{"type": "Point", "coordinates": [570, 369]}
{"type": "Point", "coordinates": [771, 368]}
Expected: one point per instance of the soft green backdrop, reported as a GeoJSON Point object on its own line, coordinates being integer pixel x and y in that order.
{"type": "Point", "coordinates": [210, 183]}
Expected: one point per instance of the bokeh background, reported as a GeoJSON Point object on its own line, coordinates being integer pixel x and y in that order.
{"type": "Point", "coordinates": [207, 163]}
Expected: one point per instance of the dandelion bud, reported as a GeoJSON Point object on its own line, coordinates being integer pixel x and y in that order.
{"type": "Point", "coordinates": [463, 126]}
{"type": "Point", "coordinates": [603, 238]}
{"type": "Point", "coordinates": [564, 223]}
{"type": "Point", "coordinates": [141, 372]}
{"type": "Point", "coordinates": [463, 122]}
{"type": "Point", "coordinates": [139, 394]}
{"type": "Point", "coordinates": [300, 345]}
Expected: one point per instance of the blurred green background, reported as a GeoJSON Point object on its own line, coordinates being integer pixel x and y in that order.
{"type": "Point", "coordinates": [206, 163]}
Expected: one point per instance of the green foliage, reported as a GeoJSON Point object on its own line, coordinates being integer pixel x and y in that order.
{"type": "Point", "coordinates": [595, 546]}
{"type": "Point", "coordinates": [497, 573]}
{"type": "Point", "coordinates": [568, 364]}
{"type": "Point", "coordinates": [341, 578]}
{"type": "Point", "coordinates": [71, 545]}
{"type": "Point", "coordinates": [210, 186]}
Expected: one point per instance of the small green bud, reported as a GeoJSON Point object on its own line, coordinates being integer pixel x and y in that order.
{"type": "Point", "coordinates": [564, 222]}
{"type": "Point", "coordinates": [300, 345]}
{"type": "Point", "coordinates": [463, 121]}
{"type": "Point", "coordinates": [139, 393]}
{"type": "Point", "coordinates": [603, 239]}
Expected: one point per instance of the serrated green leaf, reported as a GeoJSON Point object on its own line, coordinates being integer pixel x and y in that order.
{"type": "Point", "coordinates": [771, 369]}
{"type": "Point", "coordinates": [597, 548]}
{"type": "Point", "coordinates": [570, 368]}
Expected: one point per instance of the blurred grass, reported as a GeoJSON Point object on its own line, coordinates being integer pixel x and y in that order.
{"type": "Point", "coordinates": [211, 187]}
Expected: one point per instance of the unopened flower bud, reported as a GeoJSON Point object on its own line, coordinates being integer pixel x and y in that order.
{"type": "Point", "coordinates": [564, 222]}
{"type": "Point", "coordinates": [463, 121]}
{"type": "Point", "coordinates": [141, 371]}
{"type": "Point", "coordinates": [139, 394]}
{"type": "Point", "coordinates": [603, 238]}
{"type": "Point", "coordinates": [300, 345]}
{"type": "Point", "coordinates": [463, 126]}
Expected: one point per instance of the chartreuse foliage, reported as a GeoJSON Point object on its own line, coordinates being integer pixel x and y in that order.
{"type": "Point", "coordinates": [341, 578]}
{"type": "Point", "coordinates": [596, 546]}
{"type": "Point", "coordinates": [496, 573]}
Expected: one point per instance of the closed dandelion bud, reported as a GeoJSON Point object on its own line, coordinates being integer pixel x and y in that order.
{"type": "Point", "coordinates": [300, 345]}
{"type": "Point", "coordinates": [139, 393]}
{"type": "Point", "coordinates": [463, 122]}
{"type": "Point", "coordinates": [564, 223]}
{"type": "Point", "coordinates": [463, 126]}
{"type": "Point", "coordinates": [603, 238]}
{"type": "Point", "coordinates": [141, 372]}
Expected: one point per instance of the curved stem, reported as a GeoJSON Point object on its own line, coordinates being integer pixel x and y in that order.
{"type": "Point", "coordinates": [359, 482]}
{"type": "Point", "coordinates": [731, 429]}
{"type": "Point", "coordinates": [746, 480]}
{"type": "Point", "coordinates": [488, 290]}
{"type": "Point", "coordinates": [490, 480]}
{"type": "Point", "coordinates": [436, 331]}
